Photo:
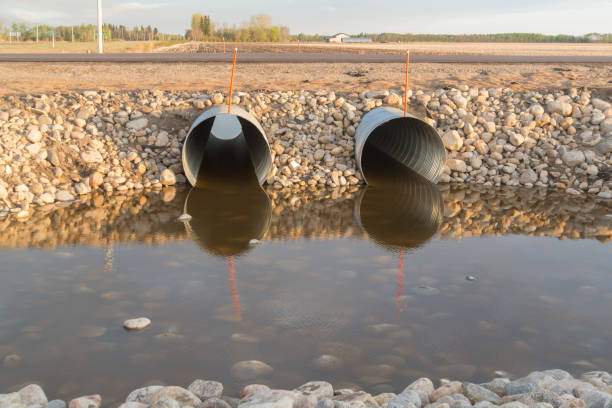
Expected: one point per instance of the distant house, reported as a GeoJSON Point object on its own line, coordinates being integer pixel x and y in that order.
{"type": "Point", "coordinates": [356, 40]}
{"type": "Point", "coordinates": [337, 38]}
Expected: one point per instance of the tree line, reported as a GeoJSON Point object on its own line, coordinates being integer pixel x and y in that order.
{"type": "Point", "coordinates": [84, 32]}
{"type": "Point", "coordinates": [503, 37]}
{"type": "Point", "coordinates": [258, 29]}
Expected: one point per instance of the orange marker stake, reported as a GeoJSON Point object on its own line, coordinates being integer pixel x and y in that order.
{"type": "Point", "coordinates": [234, 288]}
{"type": "Point", "coordinates": [229, 105]}
{"type": "Point", "coordinates": [224, 45]}
{"type": "Point", "coordinates": [406, 87]}
{"type": "Point", "coordinates": [401, 306]}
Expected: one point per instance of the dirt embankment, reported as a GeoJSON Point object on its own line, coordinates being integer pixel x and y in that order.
{"type": "Point", "coordinates": [20, 78]}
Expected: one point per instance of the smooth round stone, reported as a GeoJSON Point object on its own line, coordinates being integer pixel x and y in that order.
{"type": "Point", "coordinates": [185, 218]}
{"type": "Point", "coordinates": [137, 324]}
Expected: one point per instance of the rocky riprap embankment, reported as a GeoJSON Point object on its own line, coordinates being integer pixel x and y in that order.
{"type": "Point", "coordinates": [540, 389]}
{"type": "Point", "coordinates": [55, 148]}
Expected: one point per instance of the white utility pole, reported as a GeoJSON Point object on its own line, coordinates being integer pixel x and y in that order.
{"type": "Point", "coordinates": [36, 33]}
{"type": "Point", "coordinates": [100, 47]}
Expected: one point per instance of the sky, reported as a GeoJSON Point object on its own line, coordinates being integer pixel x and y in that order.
{"type": "Point", "coordinates": [329, 17]}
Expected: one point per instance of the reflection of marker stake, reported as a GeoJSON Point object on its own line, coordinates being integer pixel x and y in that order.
{"type": "Point", "coordinates": [406, 87]}
{"type": "Point", "coordinates": [229, 105]}
{"type": "Point", "coordinates": [234, 286]}
{"type": "Point", "coordinates": [401, 306]}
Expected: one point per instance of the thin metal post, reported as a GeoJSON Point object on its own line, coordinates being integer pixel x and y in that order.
{"type": "Point", "coordinates": [100, 46]}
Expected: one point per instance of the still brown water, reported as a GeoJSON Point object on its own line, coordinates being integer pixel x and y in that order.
{"type": "Point", "coordinates": [375, 277]}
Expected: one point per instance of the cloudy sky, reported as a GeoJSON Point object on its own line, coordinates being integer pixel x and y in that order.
{"type": "Point", "coordinates": [326, 17]}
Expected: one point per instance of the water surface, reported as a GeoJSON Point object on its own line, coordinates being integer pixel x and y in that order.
{"type": "Point", "coordinates": [374, 277]}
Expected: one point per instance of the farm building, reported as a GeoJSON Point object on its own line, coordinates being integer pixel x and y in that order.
{"type": "Point", "coordinates": [336, 38]}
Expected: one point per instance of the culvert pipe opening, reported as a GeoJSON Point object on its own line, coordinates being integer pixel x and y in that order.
{"type": "Point", "coordinates": [220, 145]}
{"type": "Point", "coordinates": [406, 140]}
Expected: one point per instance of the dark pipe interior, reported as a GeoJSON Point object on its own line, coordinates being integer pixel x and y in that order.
{"type": "Point", "coordinates": [408, 142]}
{"type": "Point", "coordinates": [217, 160]}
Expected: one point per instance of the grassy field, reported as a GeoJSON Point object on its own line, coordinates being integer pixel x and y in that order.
{"type": "Point", "coordinates": [82, 47]}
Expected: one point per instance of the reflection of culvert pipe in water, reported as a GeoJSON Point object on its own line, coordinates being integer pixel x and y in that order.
{"type": "Point", "coordinates": [225, 220]}
{"type": "Point", "coordinates": [402, 212]}
{"type": "Point", "coordinates": [219, 144]}
{"type": "Point", "coordinates": [405, 139]}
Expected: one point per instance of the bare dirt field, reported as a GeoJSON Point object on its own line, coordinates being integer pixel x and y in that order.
{"type": "Point", "coordinates": [442, 48]}
{"type": "Point", "coordinates": [18, 78]}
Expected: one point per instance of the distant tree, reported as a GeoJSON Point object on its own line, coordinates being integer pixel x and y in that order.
{"type": "Point", "coordinates": [263, 21]}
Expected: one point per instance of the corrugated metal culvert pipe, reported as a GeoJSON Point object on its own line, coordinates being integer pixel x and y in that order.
{"type": "Point", "coordinates": [219, 144]}
{"type": "Point", "coordinates": [406, 139]}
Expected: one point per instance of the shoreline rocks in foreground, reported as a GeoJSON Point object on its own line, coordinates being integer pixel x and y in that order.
{"type": "Point", "coordinates": [540, 389]}
{"type": "Point", "coordinates": [58, 147]}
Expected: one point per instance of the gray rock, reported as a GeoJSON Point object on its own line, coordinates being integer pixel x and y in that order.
{"type": "Point", "coordinates": [452, 140]}
{"type": "Point", "coordinates": [528, 176]}
{"type": "Point", "coordinates": [166, 403]}
{"type": "Point", "coordinates": [514, 389]}
{"type": "Point", "coordinates": [248, 370]}
{"type": "Point", "coordinates": [206, 389]}
{"type": "Point", "coordinates": [233, 402]}
{"type": "Point", "coordinates": [137, 124]}
{"type": "Point", "coordinates": [181, 395]}
{"type": "Point", "coordinates": [476, 393]}
{"type": "Point", "coordinates": [424, 388]}
{"type": "Point", "coordinates": [139, 323]}
{"type": "Point", "coordinates": [573, 158]}
{"type": "Point", "coordinates": [129, 405]}
{"type": "Point", "coordinates": [356, 398]}
{"type": "Point", "coordinates": [88, 401]}
{"type": "Point", "coordinates": [252, 389]}
{"type": "Point", "coordinates": [91, 156]}
{"type": "Point", "coordinates": [32, 394]}
{"type": "Point", "coordinates": [514, 404]}
{"type": "Point", "coordinates": [407, 399]}
{"type": "Point", "coordinates": [145, 395]}
{"type": "Point", "coordinates": [320, 389]}
{"type": "Point", "coordinates": [63, 195]}
{"type": "Point", "coordinates": [497, 385]}
{"type": "Point", "coordinates": [214, 403]}
{"type": "Point", "coordinates": [485, 404]}
{"type": "Point", "coordinates": [599, 379]}
{"type": "Point", "coordinates": [325, 403]}
{"type": "Point", "coordinates": [62, 404]}
{"type": "Point", "coordinates": [269, 399]}
{"type": "Point", "coordinates": [34, 136]}
{"type": "Point", "coordinates": [8, 399]}
{"type": "Point", "coordinates": [598, 399]}
{"type": "Point", "coordinates": [377, 94]}
{"type": "Point", "coordinates": [167, 177]}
